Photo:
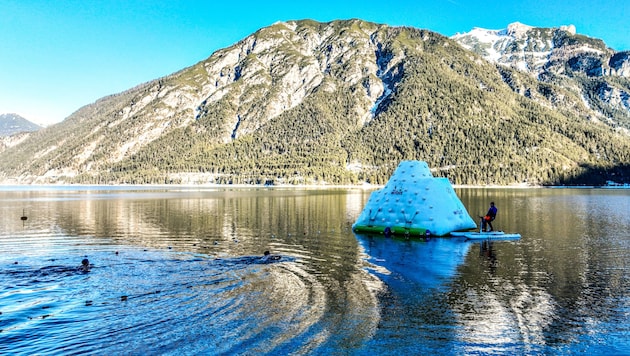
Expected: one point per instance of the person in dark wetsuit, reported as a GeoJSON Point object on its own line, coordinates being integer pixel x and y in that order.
{"type": "Point", "coordinates": [85, 265]}
{"type": "Point", "coordinates": [490, 216]}
{"type": "Point", "coordinates": [267, 257]}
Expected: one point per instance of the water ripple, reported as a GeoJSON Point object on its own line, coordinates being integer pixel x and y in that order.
{"type": "Point", "coordinates": [174, 301]}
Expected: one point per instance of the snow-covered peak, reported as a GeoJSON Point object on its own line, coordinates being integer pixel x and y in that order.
{"type": "Point", "coordinates": [570, 29]}
{"type": "Point", "coordinates": [518, 30]}
{"type": "Point", "coordinates": [520, 46]}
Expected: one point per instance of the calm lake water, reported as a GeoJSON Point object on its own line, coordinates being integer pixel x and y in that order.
{"type": "Point", "coordinates": [179, 271]}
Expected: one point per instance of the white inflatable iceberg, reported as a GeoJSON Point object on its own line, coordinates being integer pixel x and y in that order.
{"type": "Point", "coordinates": [412, 203]}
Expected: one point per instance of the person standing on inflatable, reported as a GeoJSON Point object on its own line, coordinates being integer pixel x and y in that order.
{"type": "Point", "coordinates": [490, 216]}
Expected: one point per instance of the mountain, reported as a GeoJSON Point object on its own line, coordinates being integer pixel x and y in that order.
{"type": "Point", "coordinates": [340, 102]}
{"type": "Point", "coordinates": [14, 129]}
{"type": "Point", "coordinates": [13, 123]}
{"type": "Point", "coordinates": [583, 65]}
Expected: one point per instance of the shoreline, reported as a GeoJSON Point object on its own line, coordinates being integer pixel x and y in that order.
{"type": "Point", "coordinates": [5, 186]}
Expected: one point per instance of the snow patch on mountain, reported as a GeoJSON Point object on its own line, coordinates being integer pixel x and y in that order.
{"type": "Point", "coordinates": [512, 46]}
{"type": "Point", "coordinates": [485, 40]}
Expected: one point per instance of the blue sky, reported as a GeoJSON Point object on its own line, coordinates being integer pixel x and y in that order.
{"type": "Point", "coordinates": [58, 55]}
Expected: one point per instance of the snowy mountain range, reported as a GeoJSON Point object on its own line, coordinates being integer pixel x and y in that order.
{"type": "Point", "coordinates": [555, 55]}
{"type": "Point", "coordinates": [345, 102]}
{"type": "Point", "coordinates": [539, 50]}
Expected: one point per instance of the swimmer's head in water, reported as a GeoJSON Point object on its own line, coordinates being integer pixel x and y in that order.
{"type": "Point", "coordinates": [85, 262]}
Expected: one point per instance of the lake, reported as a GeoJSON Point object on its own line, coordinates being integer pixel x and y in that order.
{"type": "Point", "coordinates": [178, 270]}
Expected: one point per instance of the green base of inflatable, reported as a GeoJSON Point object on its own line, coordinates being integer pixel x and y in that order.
{"type": "Point", "coordinates": [393, 230]}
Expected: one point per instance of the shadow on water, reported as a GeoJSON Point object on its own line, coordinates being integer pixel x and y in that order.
{"type": "Point", "coordinates": [416, 272]}
{"type": "Point", "coordinates": [424, 263]}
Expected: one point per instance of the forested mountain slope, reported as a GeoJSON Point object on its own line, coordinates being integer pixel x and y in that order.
{"type": "Point", "coordinates": [337, 103]}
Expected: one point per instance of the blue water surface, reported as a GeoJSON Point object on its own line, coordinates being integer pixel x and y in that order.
{"type": "Point", "coordinates": [180, 271]}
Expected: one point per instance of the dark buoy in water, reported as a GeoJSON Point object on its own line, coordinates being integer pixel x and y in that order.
{"type": "Point", "coordinates": [23, 217]}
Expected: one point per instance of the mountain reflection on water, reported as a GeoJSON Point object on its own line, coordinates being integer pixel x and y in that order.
{"type": "Point", "coordinates": [179, 271]}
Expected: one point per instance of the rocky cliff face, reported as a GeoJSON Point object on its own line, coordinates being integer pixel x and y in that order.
{"type": "Point", "coordinates": [262, 76]}
{"type": "Point", "coordinates": [273, 70]}
{"type": "Point", "coordinates": [619, 64]}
